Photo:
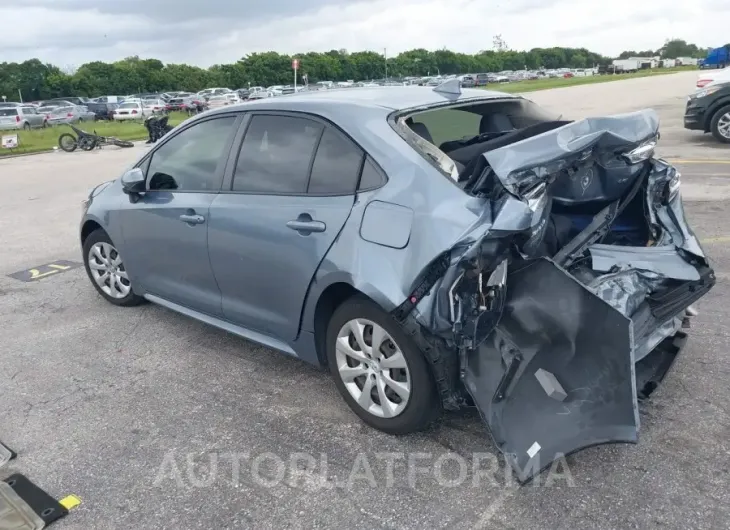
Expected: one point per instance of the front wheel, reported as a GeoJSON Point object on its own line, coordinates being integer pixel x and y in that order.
{"type": "Point", "coordinates": [720, 124]}
{"type": "Point", "coordinates": [67, 142]}
{"type": "Point", "coordinates": [106, 270]}
{"type": "Point", "coordinates": [379, 370]}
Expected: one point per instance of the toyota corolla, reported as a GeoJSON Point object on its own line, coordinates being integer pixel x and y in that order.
{"type": "Point", "coordinates": [434, 248]}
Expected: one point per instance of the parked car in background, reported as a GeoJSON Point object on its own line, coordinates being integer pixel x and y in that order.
{"type": "Point", "coordinates": [103, 110]}
{"type": "Point", "coordinates": [108, 99]}
{"type": "Point", "coordinates": [468, 81]}
{"type": "Point", "coordinates": [21, 117]}
{"type": "Point", "coordinates": [154, 106]}
{"type": "Point", "coordinates": [215, 102]}
{"type": "Point", "coordinates": [481, 80]}
{"type": "Point", "coordinates": [70, 114]}
{"type": "Point", "coordinates": [179, 102]}
{"type": "Point", "coordinates": [56, 102]}
{"type": "Point", "coordinates": [9, 104]}
{"type": "Point", "coordinates": [708, 110]}
{"type": "Point", "coordinates": [130, 110]}
{"type": "Point", "coordinates": [261, 94]}
{"type": "Point", "coordinates": [706, 77]}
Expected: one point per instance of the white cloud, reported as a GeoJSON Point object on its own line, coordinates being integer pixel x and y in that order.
{"type": "Point", "coordinates": [65, 35]}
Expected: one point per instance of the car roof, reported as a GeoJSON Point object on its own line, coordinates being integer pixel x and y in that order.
{"type": "Point", "coordinates": [390, 98]}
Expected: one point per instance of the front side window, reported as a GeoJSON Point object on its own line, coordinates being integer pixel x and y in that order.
{"type": "Point", "coordinates": [189, 161]}
{"type": "Point", "coordinates": [276, 154]}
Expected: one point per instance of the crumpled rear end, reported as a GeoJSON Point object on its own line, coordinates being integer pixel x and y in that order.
{"type": "Point", "coordinates": [569, 302]}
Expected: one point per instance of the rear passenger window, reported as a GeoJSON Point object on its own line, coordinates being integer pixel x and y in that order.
{"type": "Point", "coordinates": [336, 166]}
{"type": "Point", "coordinates": [276, 155]}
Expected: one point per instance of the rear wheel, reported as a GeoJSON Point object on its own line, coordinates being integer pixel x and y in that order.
{"type": "Point", "coordinates": [720, 124]}
{"type": "Point", "coordinates": [26, 126]}
{"type": "Point", "coordinates": [67, 142]}
{"type": "Point", "coordinates": [106, 270]}
{"type": "Point", "coordinates": [378, 369]}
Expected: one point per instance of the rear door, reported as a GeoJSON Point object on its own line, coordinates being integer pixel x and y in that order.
{"type": "Point", "coordinates": [290, 192]}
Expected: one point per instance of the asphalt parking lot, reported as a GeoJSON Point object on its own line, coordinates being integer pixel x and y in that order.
{"type": "Point", "coordinates": [158, 421]}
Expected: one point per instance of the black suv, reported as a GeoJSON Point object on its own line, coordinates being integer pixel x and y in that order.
{"type": "Point", "coordinates": [708, 110]}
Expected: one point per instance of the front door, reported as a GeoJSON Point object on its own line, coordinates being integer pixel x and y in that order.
{"type": "Point", "coordinates": [270, 231]}
{"type": "Point", "coordinates": [166, 228]}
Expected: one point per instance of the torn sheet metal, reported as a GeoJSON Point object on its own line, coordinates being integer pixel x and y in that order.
{"type": "Point", "coordinates": [553, 322]}
{"type": "Point", "coordinates": [523, 164]}
{"type": "Point", "coordinates": [662, 260]}
{"type": "Point", "coordinates": [15, 513]}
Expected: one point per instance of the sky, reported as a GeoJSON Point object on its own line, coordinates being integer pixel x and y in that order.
{"type": "Point", "coordinates": [69, 33]}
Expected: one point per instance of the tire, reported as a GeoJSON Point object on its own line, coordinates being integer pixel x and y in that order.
{"type": "Point", "coordinates": [87, 144]}
{"type": "Point", "coordinates": [121, 143]}
{"type": "Point", "coordinates": [45, 124]}
{"type": "Point", "coordinates": [67, 142]}
{"type": "Point", "coordinates": [401, 415]}
{"type": "Point", "coordinates": [720, 124]}
{"type": "Point", "coordinates": [26, 126]}
{"type": "Point", "coordinates": [100, 257]}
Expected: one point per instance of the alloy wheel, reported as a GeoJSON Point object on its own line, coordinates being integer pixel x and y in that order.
{"type": "Point", "coordinates": [373, 368]}
{"type": "Point", "coordinates": [723, 125]}
{"type": "Point", "coordinates": [108, 271]}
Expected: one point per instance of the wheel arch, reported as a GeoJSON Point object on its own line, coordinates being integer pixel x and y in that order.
{"type": "Point", "coordinates": [89, 226]}
{"type": "Point", "coordinates": [712, 110]}
{"type": "Point", "coordinates": [332, 297]}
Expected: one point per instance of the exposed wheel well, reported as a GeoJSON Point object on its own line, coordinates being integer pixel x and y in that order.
{"type": "Point", "coordinates": [331, 299]}
{"type": "Point", "coordinates": [88, 228]}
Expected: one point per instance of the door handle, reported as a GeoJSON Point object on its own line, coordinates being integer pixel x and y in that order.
{"type": "Point", "coordinates": [192, 219]}
{"type": "Point", "coordinates": [304, 224]}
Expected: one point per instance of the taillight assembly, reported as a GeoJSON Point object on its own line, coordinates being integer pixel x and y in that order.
{"type": "Point", "coordinates": [17, 119]}
{"type": "Point", "coordinates": [69, 115]}
{"type": "Point", "coordinates": [134, 112]}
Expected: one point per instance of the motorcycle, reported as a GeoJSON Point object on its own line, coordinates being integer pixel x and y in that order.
{"type": "Point", "coordinates": [88, 141]}
{"type": "Point", "coordinates": [157, 127]}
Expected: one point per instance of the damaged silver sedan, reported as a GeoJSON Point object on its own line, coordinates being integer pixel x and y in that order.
{"type": "Point", "coordinates": [435, 248]}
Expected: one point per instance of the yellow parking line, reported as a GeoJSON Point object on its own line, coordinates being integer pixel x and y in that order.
{"type": "Point", "coordinates": [696, 161]}
{"type": "Point", "coordinates": [721, 239]}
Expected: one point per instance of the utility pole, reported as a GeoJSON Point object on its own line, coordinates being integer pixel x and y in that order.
{"type": "Point", "coordinates": [385, 55]}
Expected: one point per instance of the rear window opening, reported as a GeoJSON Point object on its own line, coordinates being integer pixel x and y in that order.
{"type": "Point", "coordinates": [455, 137]}
{"type": "Point", "coordinates": [9, 112]}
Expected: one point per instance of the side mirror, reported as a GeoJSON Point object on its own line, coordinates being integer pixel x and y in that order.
{"type": "Point", "coordinates": [133, 181]}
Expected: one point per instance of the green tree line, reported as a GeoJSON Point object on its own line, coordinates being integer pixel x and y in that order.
{"type": "Point", "coordinates": [37, 80]}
